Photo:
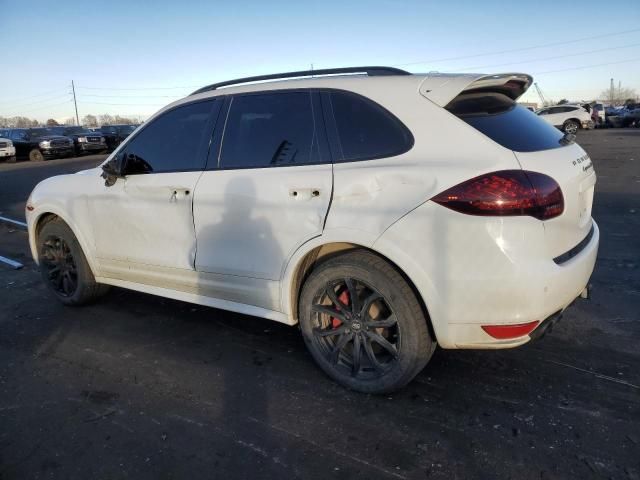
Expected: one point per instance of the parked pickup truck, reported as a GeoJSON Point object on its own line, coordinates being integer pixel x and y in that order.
{"type": "Point", "coordinates": [7, 150]}
{"type": "Point", "coordinates": [84, 140]}
{"type": "Point", "coordinates": [115, 134]}
{"type": "Point", "coordinates": [36, 144]}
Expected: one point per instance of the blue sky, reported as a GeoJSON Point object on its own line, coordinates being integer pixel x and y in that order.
{"type": "Point", "coordinates": [116, 51]}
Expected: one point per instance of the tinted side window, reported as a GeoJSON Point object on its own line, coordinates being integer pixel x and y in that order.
{"type": "Point", "coordinates": [505, 122]}
{"type": "Point", "coordinates": [366, 130]}
{"type": "Point", "coordinates": [270, 130]}
{"type": "Point", "coordinates": [18, 135]}
{"type": "Point", "coordinates": [171, 142]}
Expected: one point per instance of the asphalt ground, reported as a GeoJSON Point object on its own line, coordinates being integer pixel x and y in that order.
{"type": "Point", "coordinates": [138, 386]}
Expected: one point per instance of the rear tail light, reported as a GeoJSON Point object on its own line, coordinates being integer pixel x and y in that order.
{"type": "Point", "coordinates": [505, 332]}
{"type": "Point", "coordinates": [506, 193]}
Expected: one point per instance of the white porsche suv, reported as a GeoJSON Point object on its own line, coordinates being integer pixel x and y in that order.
{"type": "Point", "coordinates": [384, 212]}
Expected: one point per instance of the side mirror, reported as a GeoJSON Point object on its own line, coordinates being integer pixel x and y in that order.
{"type": "Point", "coordinates": [112, 170]}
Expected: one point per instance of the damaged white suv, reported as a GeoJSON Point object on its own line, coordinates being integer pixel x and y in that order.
{"type": "Point", "coordinates": [384, 212]}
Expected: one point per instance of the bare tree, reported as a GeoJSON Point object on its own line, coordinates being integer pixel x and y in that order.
{"type": "Point", "coordinates": [90, 121]}
{"type": "Point", "coordinates": [618, 96]}
{"type": "Point", "coordinates": [106, 119]}
{"type": "Point", "coordinates": [563, 101]}
{"type": "Point", "coordinates": [51, 123]}
{"type": "Point", "coordinates": [70, 121]}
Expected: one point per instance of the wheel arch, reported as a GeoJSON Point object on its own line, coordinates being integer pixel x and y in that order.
{"type": "Point", "coordinates": [573, 119]}
{"type": "Point", "coordinates": [38, 219]}
{"type": "Point", "coordinates": [320, 253]}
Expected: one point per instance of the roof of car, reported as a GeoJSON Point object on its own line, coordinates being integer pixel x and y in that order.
{"type": "Point", "coordinates": [438, 87]}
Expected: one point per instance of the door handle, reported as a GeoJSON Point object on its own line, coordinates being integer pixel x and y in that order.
{"type": "Point", "coordinates": [178, 193]}
{"type": "Point", "coordinates": [304, 193]}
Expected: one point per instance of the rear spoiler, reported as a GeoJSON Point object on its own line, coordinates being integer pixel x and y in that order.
{"type": "Point", "coordinates": [441, 88]}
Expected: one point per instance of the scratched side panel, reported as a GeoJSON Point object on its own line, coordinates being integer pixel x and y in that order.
{"type": "Point", "coordinates": [371, 195]}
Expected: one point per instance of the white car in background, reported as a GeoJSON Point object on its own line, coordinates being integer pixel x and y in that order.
{"type": "Point", "coordinates": [568, 118]}
{"type": "Point", "coordinates": [7, 150]}
{"type": "Point", "coordinates": [384, 212]}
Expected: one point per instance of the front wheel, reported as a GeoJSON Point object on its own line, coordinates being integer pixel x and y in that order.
{"type": "Point", "coordinates": [363, 324]}
{"type": "Point", "coordinates": [64, 267]}
{"type": "Point", "coordinates": [570, 126]}
{"type": "Point", "coordinates": [35, 155]}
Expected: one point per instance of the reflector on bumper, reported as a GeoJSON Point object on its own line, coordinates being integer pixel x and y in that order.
{"type": "Point", "coordinates": [504, 332]}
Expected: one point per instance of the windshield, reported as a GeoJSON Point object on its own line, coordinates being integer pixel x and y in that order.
{"type": "Point", "coordinates": [107, 129]}
{"type": "Point", "coordinates": [39, 132]}
{"type": "Point", "coordinates": [127, 128]}
{"type": "Point", "coordinates": [77, 131]}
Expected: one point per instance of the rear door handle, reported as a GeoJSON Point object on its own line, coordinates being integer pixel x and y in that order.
{"type": "Point", "coordinates": [179, 193]}
{"type": "Point", "coordinates": [304, 193]}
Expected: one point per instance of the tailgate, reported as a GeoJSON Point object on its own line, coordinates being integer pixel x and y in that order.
{"type": "Point", "coordinates": [572, 168]}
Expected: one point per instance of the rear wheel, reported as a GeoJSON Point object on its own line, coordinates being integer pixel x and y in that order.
{"type": "Point", "coordinates": [570, 126]}
{"type": "Point", "coordinates": [64, 267]}
{"type": "Point", "coordinates": [35, 155]}
{"type": "Point", "coordinates": [363, 324]}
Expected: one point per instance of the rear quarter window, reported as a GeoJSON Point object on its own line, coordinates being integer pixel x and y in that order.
{"type": "Point", "coordinates": [505, 122]}
{"type": "Point", "coordinates": [366, 130]}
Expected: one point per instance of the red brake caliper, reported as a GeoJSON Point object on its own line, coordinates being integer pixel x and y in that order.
{"type": "Point", "coordinates": [344, 298]}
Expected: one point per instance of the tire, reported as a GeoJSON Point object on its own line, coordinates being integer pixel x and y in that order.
{"type": "Point", "coordinates": [570, 126]}
{"type": "Point", "coordinates": [64, 267]}
{"type": "Point", "coordinates": [35, 155]}
{"type": "Point", "coordinates": [386, 324]}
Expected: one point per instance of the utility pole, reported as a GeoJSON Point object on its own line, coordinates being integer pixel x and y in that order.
{"type": "Point", "coordinates": [73, 88]}
{"type": "Point", "coordinates": [542, 98]}
{"type": "Point", "coordinates": [611, 93]}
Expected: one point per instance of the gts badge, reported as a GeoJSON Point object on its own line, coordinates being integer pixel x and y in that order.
{"type": "Point", "coordinates": [584, 162]}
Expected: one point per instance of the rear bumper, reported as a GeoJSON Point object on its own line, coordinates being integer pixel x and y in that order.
{"type": "Point", "coordinates": [562, 285]}
{"type": "Point", "coordinates": [475, 271]}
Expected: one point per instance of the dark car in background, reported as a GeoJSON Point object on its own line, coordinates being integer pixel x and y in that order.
{"type": "Point", "coordinates": [115, 134]}
{"type": "Point", "coordinates": [632, 115]}
{"type": "Point", "coordinates": [38, 144]}
{"type": "Point", "coordinates": [84, 140]}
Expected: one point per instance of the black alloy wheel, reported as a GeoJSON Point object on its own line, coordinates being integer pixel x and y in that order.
{"type": "Point", "coordinates": [59, 266]}
{"type": "Point", "coordinates": [355, 328]}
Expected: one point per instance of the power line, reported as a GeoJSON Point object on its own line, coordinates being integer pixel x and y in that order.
{"type": "Point", "coordinates": [38, 108]}
{"type": "Point", "coordinates": [132, 104]}
{"type": "Point", "coordinates": [33, 96]}
{"type": "Point", "coordinates": [551, 58]}
{"type": "Point", "coordinates": [131, 96]}
{"type": "Point", "coordinates": [140, 88]}
{"type": "Point", "coordinates": [35, 103]}
{"type": "Point", "coordinates": [522, 49]}
{"type": "Point", "coordinates": [589, 66]}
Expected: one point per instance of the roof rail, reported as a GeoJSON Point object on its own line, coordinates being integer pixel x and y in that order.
{"type": "Point", "coordinates": [370, 71]}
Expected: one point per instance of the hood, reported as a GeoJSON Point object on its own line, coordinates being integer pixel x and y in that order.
{"type": "Point", "coordinates": [48, 138]}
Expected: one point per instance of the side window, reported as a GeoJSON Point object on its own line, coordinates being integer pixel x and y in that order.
{"type": "Point", "coordinates": [171, 142]}
{"type": "Point", "coordinates": [366, 130]}
{"type": "Point", "coordinates": [270, 130]}
{"type": "Point", "coordinates": [18, 135]}
{"type": "Point", "coordinates": [543, 112]}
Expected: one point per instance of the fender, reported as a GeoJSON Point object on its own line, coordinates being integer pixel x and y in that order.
{"type": "Point", "coordinates": [339, 235]}
{"type": "Point", "coordinates": [34, 217]}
